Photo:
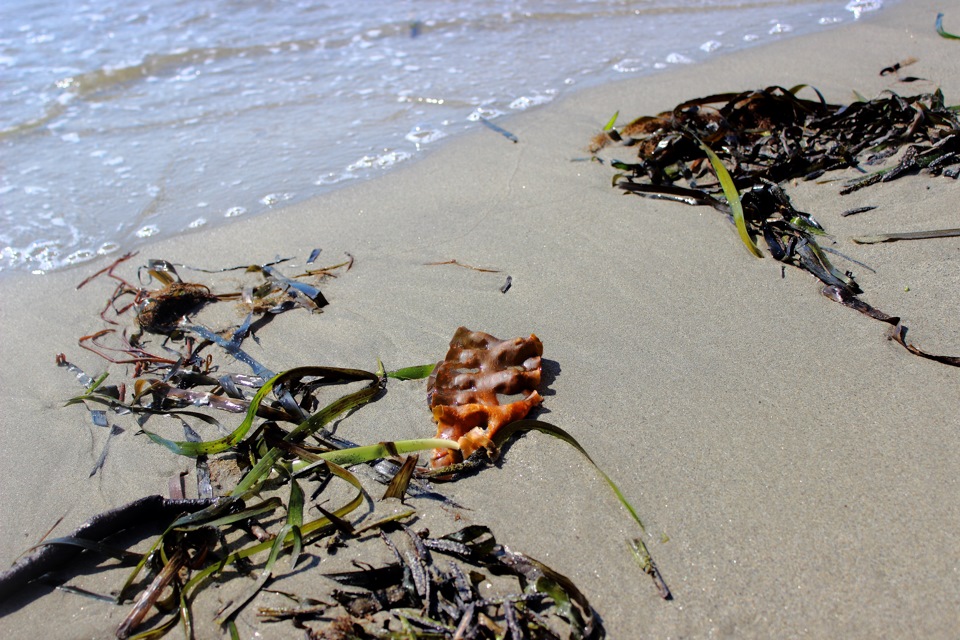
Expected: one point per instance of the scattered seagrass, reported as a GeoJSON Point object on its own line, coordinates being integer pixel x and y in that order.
{"type": "Point", "coordinates": [419, 593]}
{"type": "Point", "coordinates": [735, 151]}
{"type": "Point", "coordinates": [282, 488]}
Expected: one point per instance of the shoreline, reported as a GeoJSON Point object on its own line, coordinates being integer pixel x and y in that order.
{"type": "Point", "coordinates": [801, 466]}
{"type": "Point", "coordinates": [303, 191]}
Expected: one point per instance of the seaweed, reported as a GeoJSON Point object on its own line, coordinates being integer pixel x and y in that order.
{"type": "Point", "coordinates": [735, 152]}
{"type": "Point", "coordinates": [460, 264]}
{"type": "Point", "coordinates": [463, 390]}
{"type": "Point", "coordinates": [941, 31]}
{"type": "Point", "coordinates": [908, 235]}
{"type": "Point", "coordinates": [426, 598]}
{"type": "Point", "coordinates": [498, 129]}
{"type": "Point", "coordinates": [261, 475]}
{"type": "Point", "coordinates": [55, 553]}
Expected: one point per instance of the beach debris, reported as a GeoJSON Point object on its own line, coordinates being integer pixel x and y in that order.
{"type": "Point", "coordinates": [283, 479]}
{"type": "Point", "coordinates": [115, 430]}
{"type": "Point", "coordinates": [642, 557]}
{"type": "Point", "coordinates": [482, 589]}
{"type": "Point", "coordinates": [896, 66]}
{"type": "Point", "coordinates": [57, 553]}
{"type": "Point", "coordinates": [162, 310]}
{"type": "Point", "coordinates": [734, 151]}
{"type": "Point", "coordinates": [847, 299]}
{"type": "Point", "coordinates": [460, 264]}
{"type": "Point", "coordinates": [400, 482]}
{"type": "Point", "coordinates": [612, 122]}
{"type": "Point", "coordinates": [165, 309]}
{"type": "Point", "coordinates": [908, 235]}
{"type": "Point", "coordinates": [97, 416]}
{"type": "Point", "coordinates": [899, 334]}
{"type": "Point", "coordinates": [464, 387]}
{"type": "Point", "coordinates": [454, 262]}
{"type": "Point", "coordinates": [498, 129]}
{"type": "Point", "coordinates": [941, 31]}
{"type": "Point", "coordinates": [856, 210]}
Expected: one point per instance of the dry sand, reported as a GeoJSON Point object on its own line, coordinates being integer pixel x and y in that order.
{"type": "Point", "coordinates": [797, 472]}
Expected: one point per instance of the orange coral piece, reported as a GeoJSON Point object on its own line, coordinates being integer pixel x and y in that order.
{"type": "Point", "coordinates": [464, 388]}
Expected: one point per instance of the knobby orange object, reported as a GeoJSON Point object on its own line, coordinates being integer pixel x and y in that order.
{"type": "Point", "coordinates": [464, 390]}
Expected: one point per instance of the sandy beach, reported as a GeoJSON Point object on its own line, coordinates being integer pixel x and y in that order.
{"type": "Point", "coordinates": [797, 472]}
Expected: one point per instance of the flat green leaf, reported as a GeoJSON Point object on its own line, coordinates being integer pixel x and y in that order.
{"type": "Point", "coordinates": [359, 455]}
{"type": "Point", "coordinates": [507, 431]}
{"type": "Point", "coordinates": [307, 533]}
{"type": "Point", "coordinates": [289, 535]}
{"type": "Point", "coordinates": [412, 373]}
{"type": "Point", "coordinates": [733, 198]}
{"type": "Point", "coordinates": [612, 122]}
{"type": "Point", "coordinates": [324, 416]}
{"type": "Point", "coordinates": [941, 31]}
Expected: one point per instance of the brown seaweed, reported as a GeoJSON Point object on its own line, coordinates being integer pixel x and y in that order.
{"type": "Point", "coordinates": [756, 141]}
{"type": "Point", "coordinates": [164, 309]}
{"type": "Point", "coordinates": [463, 390]}
{"type": "Point", "coordinates": [899, 334]}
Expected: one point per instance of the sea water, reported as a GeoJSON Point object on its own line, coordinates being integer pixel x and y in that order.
{"type": "Point", "coordinates": [123, 121]}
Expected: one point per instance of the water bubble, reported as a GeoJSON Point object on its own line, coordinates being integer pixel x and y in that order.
{"type": "Point", "coordinates": [525, 102]}
{"type": "Point", "coordinates": [81, 255]}
{"type": "Point", "coordinates": [858, 7]}
{"type": "Point", "coordinates": [233, 212]}
{"type": "Point", "coordinates": [332, 178]}
{"type": "Point", "coordinates": [424, 135]}
{"type": "Point", "coordinates": [275, 198]}
{"type": "Point", "coordinates": [629, 65]}
{"type": "Point", "coordinates": [678, 58]}
{"type": "Point", "coordinates": [382, 161]}
{"type": "Point", "coordinates": [484, 112]}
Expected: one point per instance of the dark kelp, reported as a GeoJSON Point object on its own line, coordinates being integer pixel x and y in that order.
{"type": "Point", "coordinates": [57, 553]}
{"type": "Point", "coordinates": [420, 596]}
{"type": "Point", "coordinates": [733, 151]}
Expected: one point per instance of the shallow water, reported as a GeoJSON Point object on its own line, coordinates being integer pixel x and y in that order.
{"type": "Point", "coordinates": [122, 121]}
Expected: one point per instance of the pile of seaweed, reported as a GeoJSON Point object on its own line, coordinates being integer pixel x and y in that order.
{"type": "Point", "coordinates": [275, 479]}
{"type": "Point", "coordinates": [735, 151]}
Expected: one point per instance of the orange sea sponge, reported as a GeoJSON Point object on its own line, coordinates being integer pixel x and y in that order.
{"type": "Point", "coordinates": [464, 390]}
